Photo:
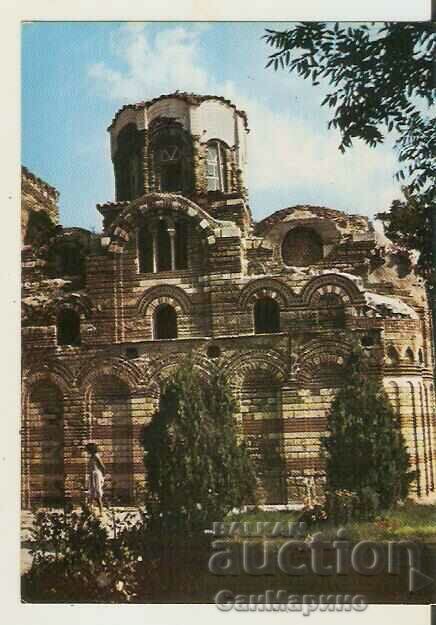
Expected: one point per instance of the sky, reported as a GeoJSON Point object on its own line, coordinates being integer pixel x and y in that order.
{"type": "Point", "coordinates": [76, 75]}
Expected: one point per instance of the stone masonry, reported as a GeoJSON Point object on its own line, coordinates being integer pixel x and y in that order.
{"type": "Point", "coordinates": [181, 267]}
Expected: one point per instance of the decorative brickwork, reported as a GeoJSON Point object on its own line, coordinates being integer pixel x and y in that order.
{"type": "Point", "coordinates": [284, 374]}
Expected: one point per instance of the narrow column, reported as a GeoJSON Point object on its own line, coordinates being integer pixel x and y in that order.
{"type": "Point", "coordinates": [153, 230]}
{"type": "Point", "coordinates": [172, 233]}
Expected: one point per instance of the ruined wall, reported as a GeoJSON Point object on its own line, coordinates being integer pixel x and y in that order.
{"type": "Point", "coordinates": [37, 195]}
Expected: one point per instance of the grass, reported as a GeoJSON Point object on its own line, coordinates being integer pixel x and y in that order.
{"type": "Point", "coordinates": [411, 521]}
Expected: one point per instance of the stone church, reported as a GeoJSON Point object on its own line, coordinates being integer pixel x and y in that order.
{"type": "Point", "coordinates": [181, 267]}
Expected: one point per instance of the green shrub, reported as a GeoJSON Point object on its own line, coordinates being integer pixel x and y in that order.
{"type": "Point", "coordinates": [342, 506]}
{"type": "Point", "coordinates": [367, 464]}
{"type": "Point", "coordinates": [313, 514]}
{"type": "Point", "coordinates": [196, 470]}
{"type": "Point", "coordinates": [76, 559]}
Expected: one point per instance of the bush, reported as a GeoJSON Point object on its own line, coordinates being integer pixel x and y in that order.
{"type": "Point", "coordinates": [196, 470]}
{"type": "Point", "coordinates": [367, 464]}
{"type": "Point", "coordinates": [369, 503]}
{"type": "Point", "coordinates": [342, 506]}
{"type": "Point", "coordinates": [313, 514]}
{"type": "Point", "coordinates": [76, 559]}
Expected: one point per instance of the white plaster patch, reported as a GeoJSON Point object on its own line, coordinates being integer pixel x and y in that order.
{"type": "Point", "coordinates": [395, 306]}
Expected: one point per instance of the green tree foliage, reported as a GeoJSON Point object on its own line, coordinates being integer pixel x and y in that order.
{"type": "Point", "coordinates": [381, 82]}
{"type": "Point", "coordinates": [196, 469]}
{"type": "Point", "coordinates": [364, 448]}
{"type": "Point", "coordinates": [409, 225]}
{"type": "Point", "coordinates": [76, 557]}
{"type": "Point", "coordinates": [381, 78]}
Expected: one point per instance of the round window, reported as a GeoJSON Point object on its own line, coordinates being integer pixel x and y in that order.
{"type": "Point", "coordinates": [301, 246]}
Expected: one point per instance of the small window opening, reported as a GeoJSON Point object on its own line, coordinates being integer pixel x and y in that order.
{"type": "Point", "coordinates": [164, 247]}
{"type": "Point", "coordinates": [215, 167]}
{"type": "Point", "coordinates": [266, 316]}
{"type": "Point", "coordinates": [392, 355]}
{"type": "Point", "coordinates": [165, 322]}
{"type": "Point", "coordinates": [68, 327]}
{"type": "Point", "coordinates": [181, 245]}
{"type": "Point", "coordinates": [171, 169]}
{"type": "Point", "coordinates": [409, 355]}
{"type": "Point", "coordinates": [145, 250]}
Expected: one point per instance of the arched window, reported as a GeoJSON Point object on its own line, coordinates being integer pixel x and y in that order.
{"type": "Point", "coordinates": [110, 407]}
{"type": "Point", "coordinates": [70, 259]}
{"type": "Point", "coordinates": [329, 300]}
{"type": "Point", "coordinates": [68, 327]}
{"type": "Point", "coordinates": [181, 245]}
{"type": "Point", "coordinates": [172, 157]}
{"type": "Point", "coordinates": [134, 175]}
{"type": "Point", "coordinates": [260, 395]}
{"type": "Point", "coordinates": [165, 322]}
{"type": "Point", "coordinates": [331, 308]}
{"type": "Point", "coordinates": [215, 164]}
{"type": "Point", "coordinates": [46, 434]}
{"type": "Point", "coordinates": [392, 356]}
{"type": "Point", "coordinates": [410, 355]}
{"type": "Point", "coordinates": [163, 245]}
{"type": "Point", "coordinates": [164, 258]}
{"type": "Point", "coordinates": [266, 316]}
{"type": "Point", "coordinates": [127, 163]}
{"type": "Point", "coordinates": [67, 257]}
{"type": "Point", "coordinates": [302, 246]}
{"type": "Point", "coordinates": [145, 249]}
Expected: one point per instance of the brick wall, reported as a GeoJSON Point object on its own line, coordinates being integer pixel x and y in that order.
{"type": "Point", "coordinates": [107, 387]}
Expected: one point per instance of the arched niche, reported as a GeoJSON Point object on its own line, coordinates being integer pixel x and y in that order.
{"type": "Point", "coordinates": [262, 430]}
{"type": "Point", "coordinates": [44, 448]}
{"type": "Point", "coordinates": [392, 356]}
{"type": "Point", "coordinates": [111, 428]}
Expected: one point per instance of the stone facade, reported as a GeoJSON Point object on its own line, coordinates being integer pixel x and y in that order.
{"type": "Point", "coordinates": [181, 267]}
